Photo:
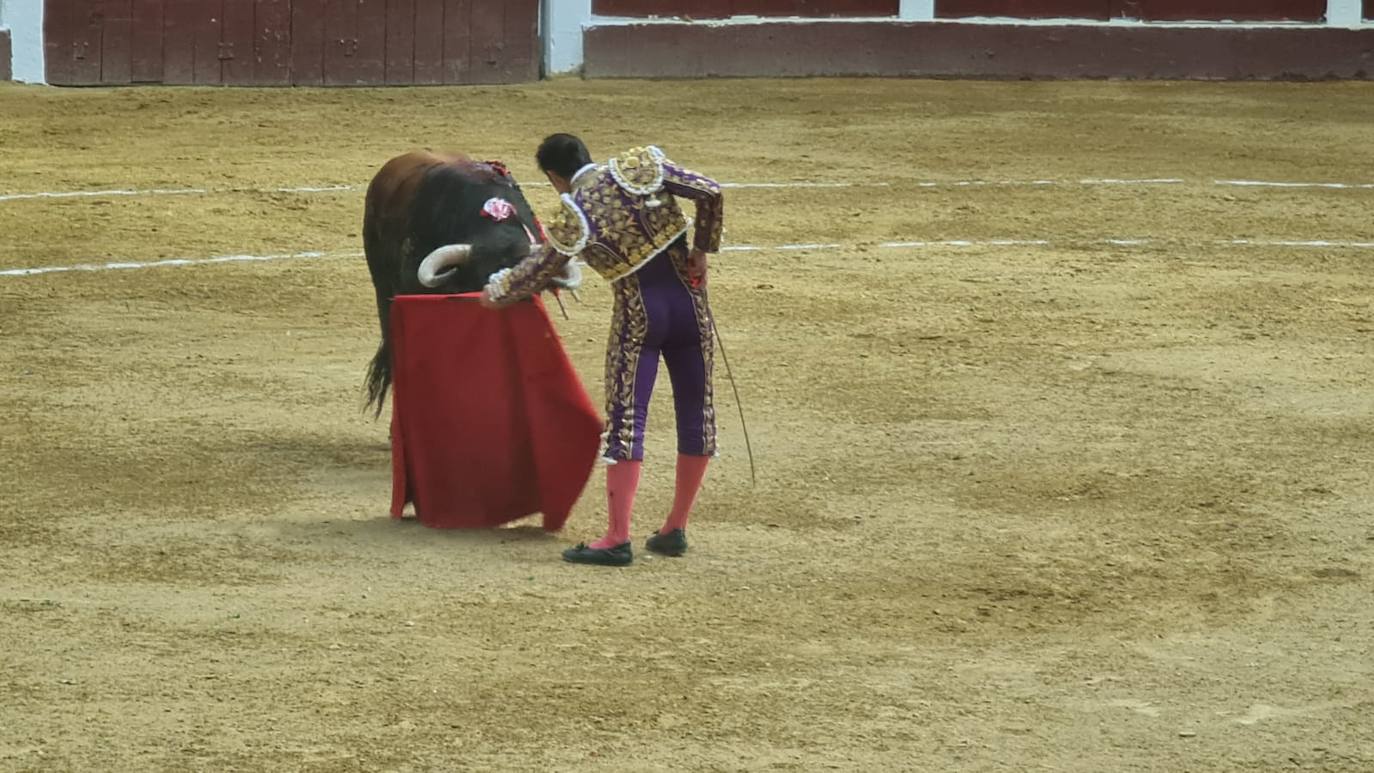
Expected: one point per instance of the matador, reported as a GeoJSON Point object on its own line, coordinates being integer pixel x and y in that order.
{"type": "Point", "coordinates": [623, 219]}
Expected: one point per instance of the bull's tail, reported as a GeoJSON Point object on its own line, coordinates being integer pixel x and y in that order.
{"type": "Point", "coordinates": [379, 370]}
{"type": "Point", "coordinates": [379, 377]}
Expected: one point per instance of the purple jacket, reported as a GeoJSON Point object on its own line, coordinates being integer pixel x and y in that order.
{"type": "Point", "coordinates": [618, 216]}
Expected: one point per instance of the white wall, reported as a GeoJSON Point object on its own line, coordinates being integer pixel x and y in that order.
{"type": "Point", "coordinates": [1344, 13]}
{"type": "Point", "coordinates": [917, 10]}
{"type": "Point", "coordinates": [24, 18]}
{"type": "Point", "coordinates": [562, 25]}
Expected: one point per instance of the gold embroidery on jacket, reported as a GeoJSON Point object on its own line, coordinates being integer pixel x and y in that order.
{"type": "Point", "coordinates": [628, 230]}
{"type": "Point", "coordinates": [629, 329]}
{"type": "Point", "coordinates": [568, 231]}
{"type": "Point", "coordinates": [638, 170]}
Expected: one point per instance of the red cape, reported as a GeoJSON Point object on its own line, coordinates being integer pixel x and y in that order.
{"type": "Point", "coordinates": [489, 422]}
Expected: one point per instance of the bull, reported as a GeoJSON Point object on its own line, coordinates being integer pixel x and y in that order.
{"type": "Point", "coordinates": [438, 223]}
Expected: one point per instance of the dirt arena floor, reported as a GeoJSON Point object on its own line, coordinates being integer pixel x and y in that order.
{"type": "Point", "coordinates": [1082, 505]}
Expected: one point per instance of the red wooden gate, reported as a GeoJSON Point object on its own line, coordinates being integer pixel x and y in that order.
{"type": "Point", "coordinates": [708, 9]}
{"type": "Point", "coordinates": [1149, 10]}
{"type": "Point", "coordinates": [291, 42]}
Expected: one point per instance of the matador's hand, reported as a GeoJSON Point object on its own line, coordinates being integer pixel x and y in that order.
{"type": "Point", "coordinates": [571, 278]}
{"type": "Point", "coordinates": [487, 301]}
{"type": "Point", "coordinates": [696, 267]}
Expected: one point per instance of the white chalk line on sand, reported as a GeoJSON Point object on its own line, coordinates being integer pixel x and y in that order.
{"type": "Point", "coordinates": [809, 247]}
{"type": "Point", "coordinates": [123, 265]}
{"type": "Point", "coordinates": [119, 192]}
{"type": "Point", "coordinates": [1301, 243]}
{"type": "Point", "coordinates": [1272, 184]}
{"type": "Point", "coordinates": [800, 184]}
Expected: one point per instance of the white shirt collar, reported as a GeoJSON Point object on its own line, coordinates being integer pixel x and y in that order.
{"type": "Point", "coordinates": [582, 171]}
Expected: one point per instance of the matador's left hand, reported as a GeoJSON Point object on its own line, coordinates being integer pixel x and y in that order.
{"type": "Point", "coordinates": [487, 301]}
{"type": "Point", "coordinates": [696, 267]}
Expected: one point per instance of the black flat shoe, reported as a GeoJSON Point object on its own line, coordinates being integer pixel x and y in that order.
{"type": "Point", "coordinates": [620, 555]}
{"type": "Point", "coordinates": [674, 543]}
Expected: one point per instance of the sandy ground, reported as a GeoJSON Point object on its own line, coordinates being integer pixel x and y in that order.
{"type": "Point", "coordinates": [1075, 506]}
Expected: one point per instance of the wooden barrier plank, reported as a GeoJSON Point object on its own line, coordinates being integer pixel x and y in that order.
{"type": "Point", "coordinates": [178, 42]}
{"type": "Point", "coordinates": [116, 41]}
{"type": "Point", "coordinates": [145, 44]}
{"type": "Point", "coordinates": [307, 42]}
{"type": "Point", "coordinates": [1233, 10]}
{"type": "Point", "coordinates": [1025, 9]}
{"type": "Point", "coordinates": [207, 29]}
{"type": "Point", "coordinates": [429, 42]}
{"type": "Point", "coordinates": [951, 49]}
{"type": "Point", "coordinates": [487, 45]}
{"type": "Point", "coordinates": [457, 41]}
{"type": "Point", "coordinates": [400, 42]}
{"type": "Point", "coordinates": [87, 51]}
{"type": "Point", "coordinates": [301, 42]}
{"type": "Point", "coordinates": [521, 35]}
{"type": "Point", "coordinates": [714, 9]}
{"type": "Point", "coordinates": [237, 44]}
{"type": "Point", "coordinates": [340, 42]}
{"type": "Point", "coordinates": [272, 43]}
{"type": "Point", "coordinates": [370, 34]}
{"type": "Point", "coordinates": [59, 42]}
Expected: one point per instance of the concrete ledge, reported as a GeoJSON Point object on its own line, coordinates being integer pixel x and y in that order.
{"type": "Point", "coordinates": [6, 56]}
{"type": "Point", "coordinates": [943, 49]}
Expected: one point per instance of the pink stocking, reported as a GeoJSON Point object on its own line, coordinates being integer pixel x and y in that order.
{"type": "Point", "coordinates": [622, 481]}
{"type": "Point", "coordinates": [691, 470]}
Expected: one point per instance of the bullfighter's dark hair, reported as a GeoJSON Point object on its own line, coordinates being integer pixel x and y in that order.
{"type": "Point", "coordinates": [563, 154]}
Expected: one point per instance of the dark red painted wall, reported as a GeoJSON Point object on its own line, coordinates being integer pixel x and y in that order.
{"type": "Point", "coordinates": [1238, 10]}
{"type": "Point", "coordinates": [1369, 9]}
{"type": "Point", "coordinates": [291, 42]}
{"type": "Point", "coordinates": [1025, 9]}
{"type": "Point", "coordinates": [979, 51]}
{"type": "Point", "coordinates": [713, 9]}
{"type": "Point", "coordinates": [1152, 10]}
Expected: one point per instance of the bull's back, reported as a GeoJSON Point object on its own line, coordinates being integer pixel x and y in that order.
{"type": "Point", "coordinates": [393, 191]}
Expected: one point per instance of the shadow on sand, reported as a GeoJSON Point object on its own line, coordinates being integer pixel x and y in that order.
{"type": "Point", "coordinates": [408, 531]}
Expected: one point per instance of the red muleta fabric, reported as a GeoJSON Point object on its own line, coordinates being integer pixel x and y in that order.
{"type": "Point", "coordinates": [489, 421]}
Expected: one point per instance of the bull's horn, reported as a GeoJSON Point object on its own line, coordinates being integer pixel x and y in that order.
{"type": "Point", "coordinates": [440, 264]}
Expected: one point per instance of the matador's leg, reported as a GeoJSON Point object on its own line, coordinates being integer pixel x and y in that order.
{"type": "Point", "coordinates": [690, 362]}
{"type": "Point", "coordinates": [631, 369]}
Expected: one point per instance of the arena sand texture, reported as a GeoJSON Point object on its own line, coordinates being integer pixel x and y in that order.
{"type": "Point", "coordinates": [1077, 506]}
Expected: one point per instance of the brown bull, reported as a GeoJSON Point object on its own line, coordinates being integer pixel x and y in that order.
{"type": "Point", "coordinates": [438, 223]}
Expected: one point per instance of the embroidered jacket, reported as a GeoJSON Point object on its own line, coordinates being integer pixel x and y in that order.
{"type": "Point", "coordinates": [617, 217]}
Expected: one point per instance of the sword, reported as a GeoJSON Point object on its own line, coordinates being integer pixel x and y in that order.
{"type": "Point", "coordinates": [535, 243]}
{"type": "Point", "coordinates": [557, 294]}
{"type": "Point", "coordinates": [729, 373]}
{"type": "Point", "coordinates": [561, 307]}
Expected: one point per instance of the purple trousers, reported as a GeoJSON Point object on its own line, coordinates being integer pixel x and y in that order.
{"type": "Point", "coordinates": [658, 313]}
